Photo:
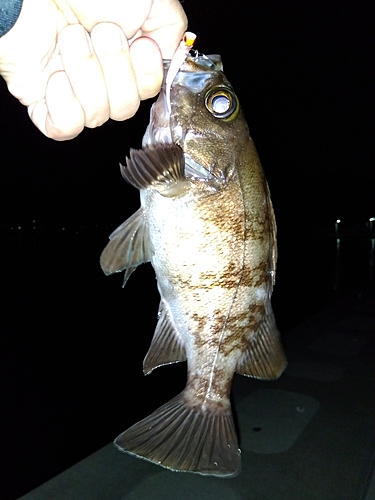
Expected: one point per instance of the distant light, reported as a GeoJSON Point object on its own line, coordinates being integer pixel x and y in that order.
{"type": "Point", "coordinates": [338, 221]}
{"type": "Point", "coordinates": [372, 219]}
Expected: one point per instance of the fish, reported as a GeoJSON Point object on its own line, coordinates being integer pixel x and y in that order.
{"type": "Point", "coordinates": [207, 225]}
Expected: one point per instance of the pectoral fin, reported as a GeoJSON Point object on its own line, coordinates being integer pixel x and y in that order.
{"type": "Point", "coordinates": [264, 357]}
{"type": "Point", "coordinates": [166, 347]}
{"type": "Point", "coordinates": [157, 167]}
{"type": "Point", "coordinates": [129, 247]}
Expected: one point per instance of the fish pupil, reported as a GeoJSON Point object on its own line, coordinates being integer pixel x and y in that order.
{"type": "Point", "coordinates": [220, 104]}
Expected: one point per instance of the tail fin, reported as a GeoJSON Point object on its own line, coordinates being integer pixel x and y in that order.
{"type": "Point", "coordinates": [181, 438]}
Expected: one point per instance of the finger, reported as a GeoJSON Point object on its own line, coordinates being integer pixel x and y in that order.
{"type": "Point", "coordinates": [59, 115]}
{"type": "Point", "coordinates": [112, 50]}
{"type": "Point", "coordinates": [148, 66]}
{"type": "Point", "coordinates": [166, 25]}
{"type": "Point", "coordinates": [162, 20]}
{"type": "Point", "coordinates": [127, 14]}
{"type": "Point", "coordinates": [65, 118]}
{"type": "Point", "coordinates": [83, 69]}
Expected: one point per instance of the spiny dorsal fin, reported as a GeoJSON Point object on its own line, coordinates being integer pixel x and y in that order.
{"type": "Point", "coordinates": [166, 347]}
{"type": "Point", "coordinates": [129, 247]}
{"type": "Point", "coordinates": [264, 357]}
{"type": "Point", "coordinates": [154, 165]}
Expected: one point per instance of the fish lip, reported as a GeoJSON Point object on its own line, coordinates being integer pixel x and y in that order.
{"type": "Point", "coordinates": [159, 128]}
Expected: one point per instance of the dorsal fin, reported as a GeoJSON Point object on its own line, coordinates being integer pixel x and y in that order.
{"type": "Point", "coordinates": [264, 357]}
{"type": "Point", "coordinates": [166, 347]}
{"type": "Point", "coordinates": [154, 165]}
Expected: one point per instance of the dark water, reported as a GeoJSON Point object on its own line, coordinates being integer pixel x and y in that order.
{"type": "Point", "coordinates": [73, 340]}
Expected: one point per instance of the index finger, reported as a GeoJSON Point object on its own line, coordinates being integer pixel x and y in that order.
{"type": "Point", "coordinates": [162, 20]}
{"type": "Point", "coordinates": [166, 24]}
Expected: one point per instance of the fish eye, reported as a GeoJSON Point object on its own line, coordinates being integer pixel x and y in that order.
{"type": "Point", "coordinates": [222, 103]}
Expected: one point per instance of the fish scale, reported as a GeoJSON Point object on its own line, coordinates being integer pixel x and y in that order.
{"type": "Point", "coordinates": [207, 226]}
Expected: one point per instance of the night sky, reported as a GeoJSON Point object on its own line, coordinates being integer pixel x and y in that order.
{"type": "Point", "coordinates": [304, 75]}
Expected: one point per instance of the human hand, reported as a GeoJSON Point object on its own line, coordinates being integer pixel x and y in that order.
{"type": "Point", "coordinates": [76, 63]}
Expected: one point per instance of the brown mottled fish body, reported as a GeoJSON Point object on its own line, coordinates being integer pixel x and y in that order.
{"type": "Point", "coordinates": [206, 223]}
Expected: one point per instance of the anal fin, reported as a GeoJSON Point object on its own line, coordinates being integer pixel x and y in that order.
{"type": "Point", "coordinates": [264, 357]}
{"type": "Point", "coordinates": [166, 347]}
{"type": "Point", "coordinates": [186, 439]}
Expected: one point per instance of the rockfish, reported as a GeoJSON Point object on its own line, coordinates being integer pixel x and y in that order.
{"type": "Point", "coordinates": [207, 226]}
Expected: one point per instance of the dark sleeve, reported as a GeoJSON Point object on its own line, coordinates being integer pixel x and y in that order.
{"type": "Point", "coordinates": [9, 12]}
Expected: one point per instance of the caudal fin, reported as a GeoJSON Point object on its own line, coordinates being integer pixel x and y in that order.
{"type": "Point", "coordinates": [186, 439]}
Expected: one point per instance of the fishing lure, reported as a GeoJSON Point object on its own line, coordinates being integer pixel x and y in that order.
{"type": "Point", "coordinates": [178, 59]}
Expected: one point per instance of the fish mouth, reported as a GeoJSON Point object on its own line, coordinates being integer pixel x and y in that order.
{"type": "Point", "coordinates": [159, 128]}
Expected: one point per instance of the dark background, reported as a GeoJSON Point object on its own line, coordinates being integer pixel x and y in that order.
{"type": "Point", "coordinates": [72, 341]}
